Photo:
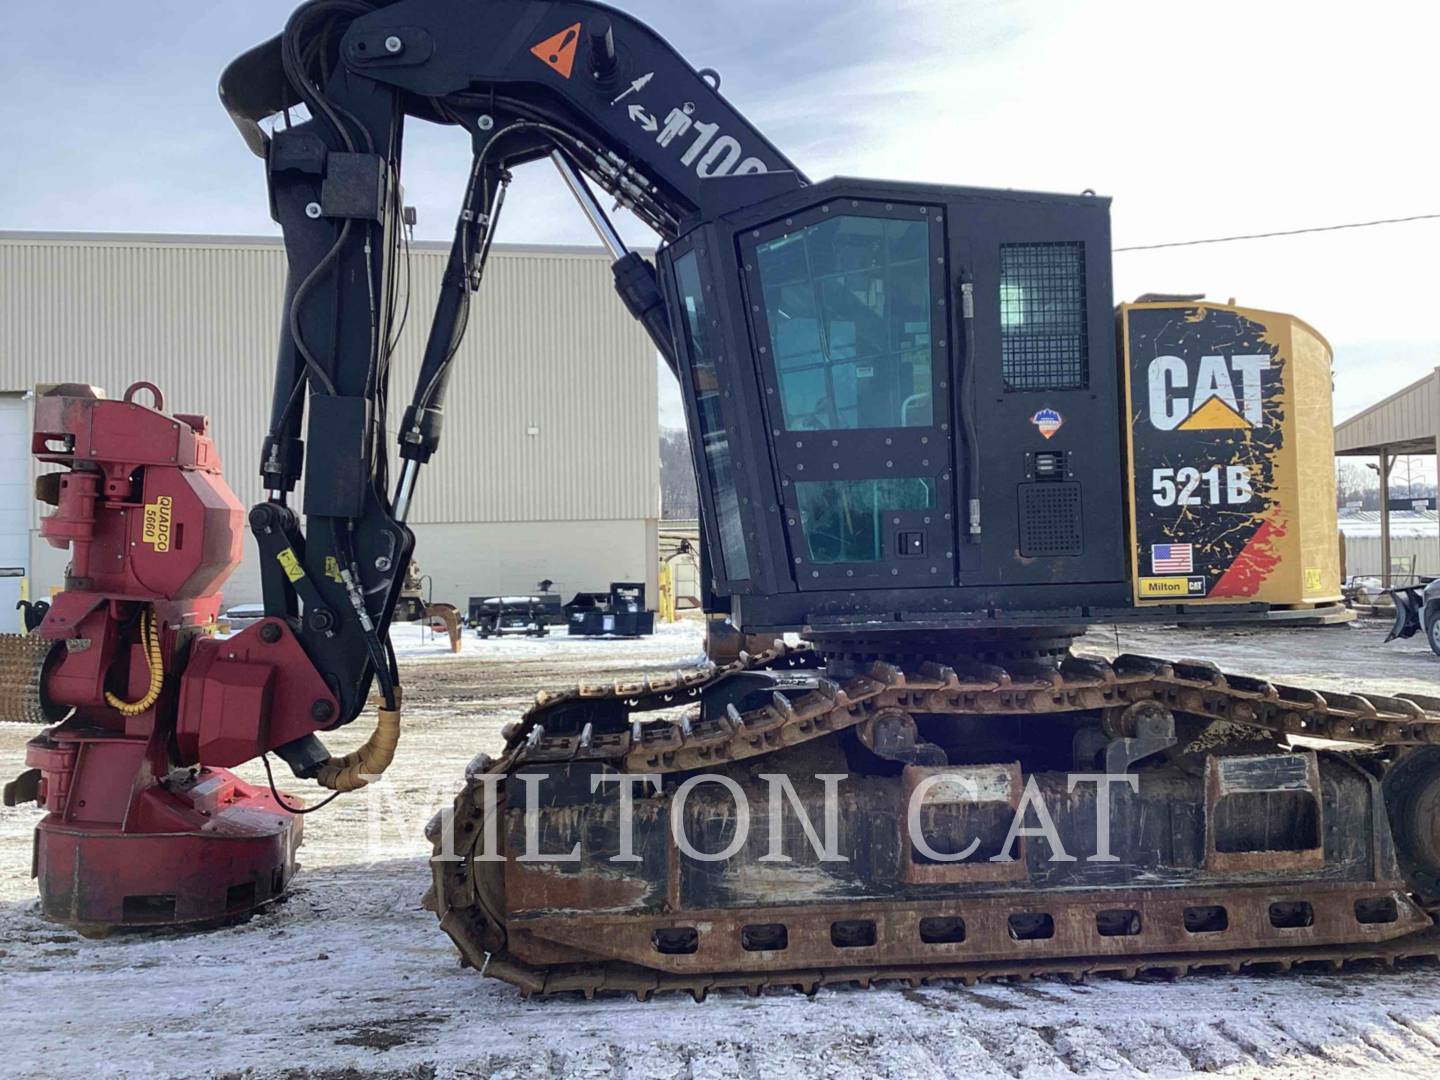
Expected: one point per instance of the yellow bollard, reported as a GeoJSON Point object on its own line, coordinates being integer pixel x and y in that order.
{"type": "Point", "coordinates": [667, 594]}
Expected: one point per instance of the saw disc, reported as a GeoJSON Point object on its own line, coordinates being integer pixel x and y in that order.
{"type": "Point", "coordinates": [22, 665]}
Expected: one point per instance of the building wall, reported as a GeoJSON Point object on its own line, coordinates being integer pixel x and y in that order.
{"type": "Point", "coordinates": [1363, 558]}
{"type": "Point", "coordinates": [550, 454]}
{"type": "Point", "coordinates": [508, 559]}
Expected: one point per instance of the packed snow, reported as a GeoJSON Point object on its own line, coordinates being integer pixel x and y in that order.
{"type": "Point", "coordinates": [349, 977]}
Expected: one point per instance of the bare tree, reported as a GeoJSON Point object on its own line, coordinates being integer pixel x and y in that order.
{"type": "Point", "coordinates": [679, 499]}
{"type": "Point", "coordinates": [1354, 483]}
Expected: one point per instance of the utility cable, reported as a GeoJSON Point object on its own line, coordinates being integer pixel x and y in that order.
{"type": "Point", "coordinates": [1283, 232]}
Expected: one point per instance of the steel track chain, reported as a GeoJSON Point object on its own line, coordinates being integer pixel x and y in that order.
{"type": "Point", "coordinates": [1079, 684]}
{"type": "Point", "coordinates": [589, 980]}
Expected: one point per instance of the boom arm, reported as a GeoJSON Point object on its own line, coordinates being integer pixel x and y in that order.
{"type": "Point", "coordinates": [595, 89]}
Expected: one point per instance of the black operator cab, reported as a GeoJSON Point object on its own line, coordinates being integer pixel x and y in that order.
{"type": "Point", "coordinates": [905, 407]}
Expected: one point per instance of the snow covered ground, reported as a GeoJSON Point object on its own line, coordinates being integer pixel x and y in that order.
{"type": "Point", "coordinates": [351, 978]}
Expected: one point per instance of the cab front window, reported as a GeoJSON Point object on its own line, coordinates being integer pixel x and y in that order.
{"type": "Point", "coordinates": [848, 305]}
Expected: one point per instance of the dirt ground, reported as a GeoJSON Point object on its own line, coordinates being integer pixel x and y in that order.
{"type": "Point", "coordinates": [349, 977]}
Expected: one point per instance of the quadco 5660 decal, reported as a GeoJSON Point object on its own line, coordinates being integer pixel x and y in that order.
{"type": "Point", "coordinates": [1208, 390]}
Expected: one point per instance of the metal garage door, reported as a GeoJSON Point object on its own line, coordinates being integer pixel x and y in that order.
{"type": "Point", "coordinates": [14, 507]}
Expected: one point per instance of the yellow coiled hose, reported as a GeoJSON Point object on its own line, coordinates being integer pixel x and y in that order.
{"type": "Point", "coordinates": [150, 642]}
{"type": "Point", "coordinates": [353, 771]}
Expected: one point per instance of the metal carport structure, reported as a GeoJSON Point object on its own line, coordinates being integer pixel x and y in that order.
{"type": "Point", "coordinates": [1404, 424]}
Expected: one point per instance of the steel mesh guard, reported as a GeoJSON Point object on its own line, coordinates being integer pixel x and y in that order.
{"type": "Point", "coordinates": [1045, 343]}
{"type": "Point", "coordinates": [1050, 521]}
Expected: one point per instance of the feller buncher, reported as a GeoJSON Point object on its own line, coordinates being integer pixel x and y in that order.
{"type": "Point", "coordinates": [927, 447]}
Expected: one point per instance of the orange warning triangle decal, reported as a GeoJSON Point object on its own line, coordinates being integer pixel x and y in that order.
{"type": "Point", "coordinates": [558, 52]}
{"type": "Point", "coordinates": [1215, 415]}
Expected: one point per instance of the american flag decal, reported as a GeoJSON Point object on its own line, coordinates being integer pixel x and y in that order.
{"type": "Point", "coordinates": [1173, 558]}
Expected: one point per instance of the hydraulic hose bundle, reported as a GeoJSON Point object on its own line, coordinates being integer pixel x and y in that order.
{"type": "Point", "coordinates": [150, 642]}
{"type": "Point", "coordinates": [355, 770]}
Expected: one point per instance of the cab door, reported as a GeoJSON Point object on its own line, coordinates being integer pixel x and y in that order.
{"type": "Point", "coordinates": [849, 309]}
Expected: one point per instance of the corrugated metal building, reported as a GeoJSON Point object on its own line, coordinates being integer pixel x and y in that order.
{"type": "Point", "coordinates": [1412, 544]}
{"type": "Point", "coordinates": [1405, 423]}
{"type": "Point", "coordinates": [549, 468]}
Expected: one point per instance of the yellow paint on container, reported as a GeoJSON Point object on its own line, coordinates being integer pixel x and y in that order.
{"type": "Point", "coordinates": [1231, 450]}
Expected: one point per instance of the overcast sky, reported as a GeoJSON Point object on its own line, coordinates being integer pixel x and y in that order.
{"type": "Point", "coordinates": [1199, 120]}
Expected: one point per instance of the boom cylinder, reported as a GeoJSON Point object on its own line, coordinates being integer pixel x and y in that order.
{"type": "Point", "coordinates": [635, 278]}
{"type": "Point", "coordinates": [424, 419]}
{"type": "Point", "coordinates": [599, 220]}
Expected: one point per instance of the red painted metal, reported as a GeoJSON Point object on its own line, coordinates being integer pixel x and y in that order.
{"type": "Point", "coordinates": [144, 827]}
{"type": "Point", "coordinates": [128, 460]}
{"type": "Point", "coordinates": [122, 848]}
{"type": "Point", "coordinates": [242, 697]}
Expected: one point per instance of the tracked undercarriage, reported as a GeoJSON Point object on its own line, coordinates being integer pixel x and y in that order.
{"type": "Point", "coordinates": [1261, 825]}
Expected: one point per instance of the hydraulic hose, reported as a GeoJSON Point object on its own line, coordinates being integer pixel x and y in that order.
{"type": "Point", "coordinates": [354, 771]}
{"type": "Point", "coordinates": [150, 642]}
